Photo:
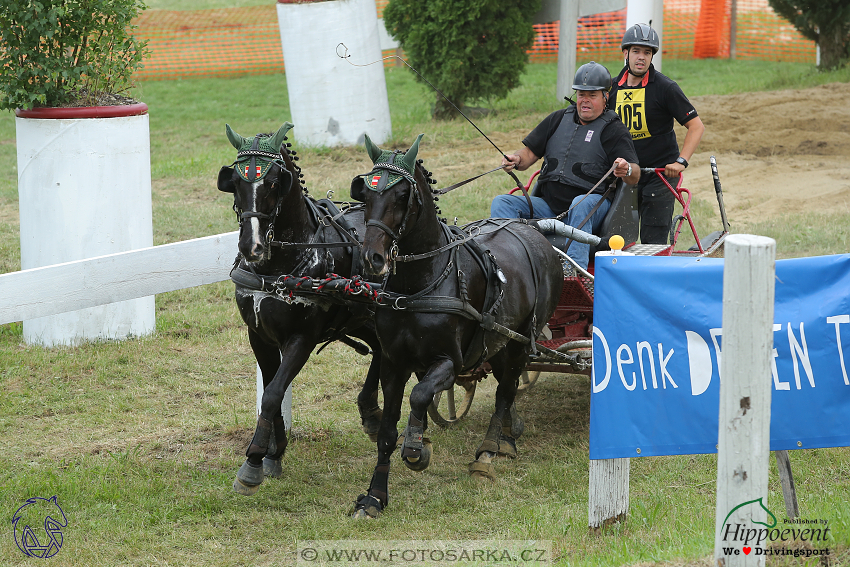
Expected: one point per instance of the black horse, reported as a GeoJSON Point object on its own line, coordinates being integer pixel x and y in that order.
{"type": "Point", "coordinates": [453, 299]}
{"type": "Point", "coordinates": [283, 328]}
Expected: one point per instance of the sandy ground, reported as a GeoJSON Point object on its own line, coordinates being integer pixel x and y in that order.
{"type": "Point", "coordinates": [777, 152]}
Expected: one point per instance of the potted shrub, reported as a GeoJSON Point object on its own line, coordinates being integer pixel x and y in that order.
{"type": "Point", "coordinates": [83, 148]}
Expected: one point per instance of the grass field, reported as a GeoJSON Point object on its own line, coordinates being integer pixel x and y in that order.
{"type": "Point", "coordinates": [140, 439]}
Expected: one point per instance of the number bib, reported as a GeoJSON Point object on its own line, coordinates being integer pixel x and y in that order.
{"type": "Point", "coordinates": [631, 108]}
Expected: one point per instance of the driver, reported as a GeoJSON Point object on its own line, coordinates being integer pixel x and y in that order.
{"type": "Point", "coordinates": [647, 103]}
{"type": "Point", "coordinates": [579, 145]}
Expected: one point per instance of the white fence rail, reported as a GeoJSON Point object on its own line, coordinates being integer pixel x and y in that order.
{"type": "Point", "coordinates": [51, 290]}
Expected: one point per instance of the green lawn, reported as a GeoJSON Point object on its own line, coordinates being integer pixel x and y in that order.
{"type": "Point", "coordinates": [140, 439]}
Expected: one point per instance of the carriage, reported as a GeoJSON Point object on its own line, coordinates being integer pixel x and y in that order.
{"type": "Point", "coordinates": [570, 330]}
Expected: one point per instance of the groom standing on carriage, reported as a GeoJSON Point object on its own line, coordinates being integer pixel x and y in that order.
{"type": "Point", "coordinates": [580, 145]}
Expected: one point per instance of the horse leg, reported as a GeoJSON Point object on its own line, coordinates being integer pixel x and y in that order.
{"type": "Point", "coordinates": [416, 448]}
{"type": "Point", "coordinates": [367, 400]}
{"type": "Point", "coordinates": [268, 359]}
{"type": "Point", "coordinates": [290, 359]}
{"type": "Point", "coordinates": [371, 504]}
{"type": "Point", "coordinates": [505, 423]}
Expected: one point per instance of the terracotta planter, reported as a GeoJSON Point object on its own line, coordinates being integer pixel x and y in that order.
{"type": "Point", "coordinates": [333, 102]}
{"type": "Point", "coordinates": [84, 189]}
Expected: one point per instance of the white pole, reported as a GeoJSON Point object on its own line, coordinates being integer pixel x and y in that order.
{"type": "Point", "coordinates": [285, 405]}
{"type": "Point", "coordinates": [567, 38]}
{"type": "Point", "coordinates": [743, 455]}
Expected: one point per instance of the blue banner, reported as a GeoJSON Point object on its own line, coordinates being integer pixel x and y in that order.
{"type": "Point", "coordinates": [658, 342]}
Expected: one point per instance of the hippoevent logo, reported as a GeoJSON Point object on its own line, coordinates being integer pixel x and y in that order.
{"type": "Point", "coordinates": [796, 537]}
{"type": "Point", "coordinates": [38, 527]}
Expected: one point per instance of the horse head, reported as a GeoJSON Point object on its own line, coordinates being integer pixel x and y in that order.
{"type": "Point", "coordinates": [260, 179]}
{"type": "Point", "coordinates": [394, 192]}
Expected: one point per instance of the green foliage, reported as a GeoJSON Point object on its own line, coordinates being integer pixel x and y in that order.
{"type": "Point", "coordinates": [825, 21]}
{"type": "Point", "coordinates": [469, 49]}
{"type": "Point", "coordinates": [61, 52]}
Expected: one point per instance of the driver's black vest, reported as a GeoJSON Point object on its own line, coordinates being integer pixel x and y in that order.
{"type": "Point", "coordinates": [574, 143]}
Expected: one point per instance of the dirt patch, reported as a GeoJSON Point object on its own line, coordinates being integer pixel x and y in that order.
{"type": "Point", "coordinates": [780, 152]}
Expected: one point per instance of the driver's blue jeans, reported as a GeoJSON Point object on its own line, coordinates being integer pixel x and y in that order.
{"type": "Point", "coordinates": [516, 206]}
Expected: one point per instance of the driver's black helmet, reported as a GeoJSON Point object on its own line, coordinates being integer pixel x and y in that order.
{"type": "Point", "coordinates": [641, 34]}
{"type": "Point", "coordinates": [592, 77]}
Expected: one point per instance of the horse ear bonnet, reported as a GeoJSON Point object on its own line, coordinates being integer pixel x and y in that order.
{"type": "Point", "coordinates": [389, 168]}
{"type": "Point", "coordinates": [255, 155]}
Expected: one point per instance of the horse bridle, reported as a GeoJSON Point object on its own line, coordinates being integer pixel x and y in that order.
{"type": "Point", "coordinates": [414, 192]}
{"type": "Point", "coordinates": [276, 159]}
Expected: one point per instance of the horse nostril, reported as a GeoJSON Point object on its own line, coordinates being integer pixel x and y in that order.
{"type": "Point", "coordinates": [377, 261]}
{"type": "Point", "coordinates": [257, 250]}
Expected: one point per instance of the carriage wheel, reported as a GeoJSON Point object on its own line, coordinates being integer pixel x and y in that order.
{"type": "Point", "coordinates": [527, 379]}
{"type": "Point", "coordinates": [452, 405]}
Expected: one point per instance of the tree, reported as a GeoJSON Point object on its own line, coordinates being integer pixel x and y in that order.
{"type": "Point", "coordinates": [469, 49]}
{"type": "Point", "coordinates": [826, 22]}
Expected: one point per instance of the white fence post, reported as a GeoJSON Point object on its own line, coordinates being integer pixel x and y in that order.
{"type": "Point", "coordinates": [608, 498]}
{"type": "Point", "coordinates": [743, 455]}
{"type": "Point", "coordinates": [285, 405]}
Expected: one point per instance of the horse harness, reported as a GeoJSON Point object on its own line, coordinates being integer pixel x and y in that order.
{"type": "Point", "coordinates": [421, 302]}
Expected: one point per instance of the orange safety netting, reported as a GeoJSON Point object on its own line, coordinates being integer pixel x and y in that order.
{"type": "Point", "coordinates": [243, 41]}
{"type": "Point", "coordinates": [210, 43]}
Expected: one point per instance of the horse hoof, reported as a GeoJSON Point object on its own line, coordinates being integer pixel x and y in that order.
{"type": "Point", "coordinates": [482, 471]}
{"type": "Point", "coordinates": [487, 445]}
{"type": "Point", "coordinates": [244, 489]}
{"type": "Point", "coordinates": [421, 461]}
{"type": "Point", "coordinates": [507, 447]}
{"type": "Point", "coordinates": [248, 479]}
{"type": "Point", "coordinates": [272, 468]}
{"type": "Point", "coordinates": [362, 515]}
{"type": "Point", "coordinates": [367, 508]}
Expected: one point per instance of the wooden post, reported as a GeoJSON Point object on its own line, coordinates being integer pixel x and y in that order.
{"type": "Point", "coordinates": [786, 479]}
{"type": "Point", "coordinates": [608, 499]}
{"type": "Point", "coordinates": [744, 428]}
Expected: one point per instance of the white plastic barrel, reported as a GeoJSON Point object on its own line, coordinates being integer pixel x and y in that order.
{"type": "Point", "coordinates": [84, 190]}
{"type": "Point", "coordinates": [333, 102]}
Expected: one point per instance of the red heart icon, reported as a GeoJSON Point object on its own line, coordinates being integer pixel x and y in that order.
{"type": "Point", "coordinates": [747, 550]}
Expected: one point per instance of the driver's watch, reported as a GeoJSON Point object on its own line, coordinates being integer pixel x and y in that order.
{"type": "Point", "coordinates": [683, 161]}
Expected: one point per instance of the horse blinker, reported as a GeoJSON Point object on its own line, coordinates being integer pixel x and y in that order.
{"type": "Point", "coordinates": [225, 180]}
